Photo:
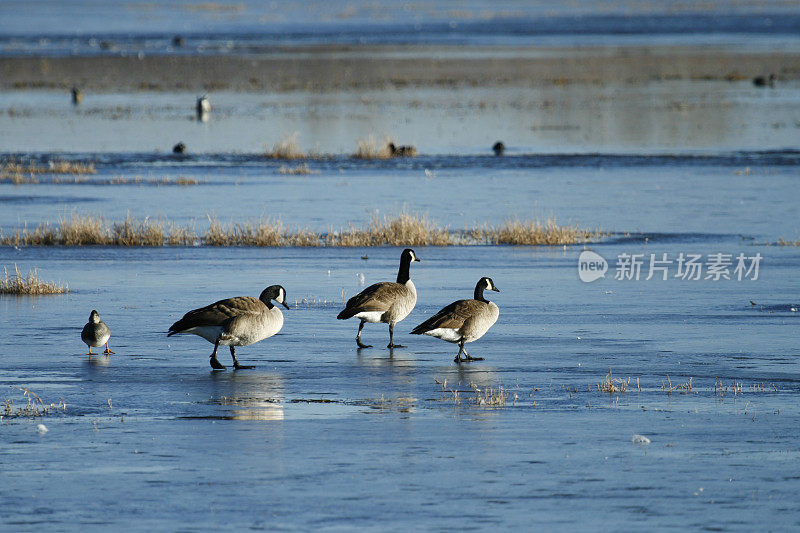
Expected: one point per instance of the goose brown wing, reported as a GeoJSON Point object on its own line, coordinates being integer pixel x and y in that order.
{"type": "Point", "coordinates": [452, 317]}
{"type": "Point", "coordinates": [217, 313]}
{"type": "Point", "coordinates": [377, 297]}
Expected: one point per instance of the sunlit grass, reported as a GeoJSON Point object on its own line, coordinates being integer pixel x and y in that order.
{"type": "Point", "coordinates": [28, 284]}
{"type": "Point", "coordinates": [286, 148]}
{"type": "Point", "coordinates": [533, 232]}
{"type": "Point", "coordinates": [369, 148]}
{"type": "Point", "coordinates": [403, 229]}
{"type": "Point", "coordinates": [52, 167]}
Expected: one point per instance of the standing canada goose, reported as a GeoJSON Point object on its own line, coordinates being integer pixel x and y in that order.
{"type": "Point", "coordinates": [96, 333]}
{"type": "Point", "coordinates": [499, 148]}
{"type": "Point", "coordinates": [385, 302]}
{"type": "Point", "coordinates": [402, 151]}
{"type": "Point", "coordinates": [203, 108]}
{"type": "Point", "coordinates": [463, 321]}
{"type": "Point", "coordinates": [77, 96]}
{"type": "Point", "coordinates": [239, 321]}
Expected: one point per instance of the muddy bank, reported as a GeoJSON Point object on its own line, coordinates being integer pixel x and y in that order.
{"type": "Point", "coordinates": [335, 68]}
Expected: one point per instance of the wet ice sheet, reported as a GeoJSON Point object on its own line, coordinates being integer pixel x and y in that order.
{"type": "Point", "coordinates": [320, 435]}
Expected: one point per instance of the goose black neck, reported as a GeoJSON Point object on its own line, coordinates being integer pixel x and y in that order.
{"type": "Point", "coordinates": [479, 291]}
{"type": "Point", "coordinates": [269, 304]}
{"type": "Point", "coordinates": [403, 273]}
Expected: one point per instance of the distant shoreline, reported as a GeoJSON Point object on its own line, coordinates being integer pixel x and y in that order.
{"type": "Point", "coordinates": [327, 68]}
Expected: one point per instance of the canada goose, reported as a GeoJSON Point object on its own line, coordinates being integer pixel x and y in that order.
{"type": "Point", "coordinates": [77, 96]}
{"type": "Point", "coordinates": [96, 333]}
{"type": "Point", "coordinates": [499, 148]}
{"type": "Point", "coordinates": [179, 148]}
{"type": "Point", "coordinates": [402, 151]}
{"type": "Point", "coordinates": [203, 108]}
{"type": "Point", "coordinates": [239, 321]}
{"type": "Point", "coordinates": [385, 302]}
{"type": "Point", "coordinates": [463, 321]}
{"type": "Point", "coordinates": [178, 41]}
{"type": "Point", "coordinates": [764, 81]}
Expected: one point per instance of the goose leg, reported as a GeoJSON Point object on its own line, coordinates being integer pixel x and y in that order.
{"type": "Point", "coordinates": [215, 364]}
{"type": "Point", "coordinates": [90, 354]}
{"type": "Point", "coordinates": [236, 364]}
{"type": "Point", "coordinates": [470, 358]}
{"type": "Point", "coordinates": [107, 351]}
{"type": "Point", "coordinates": [358, 337]}
{"type": "Point", "coordinates": [460, 350]}
{"type": "Point", "coordinates": [391, 338]}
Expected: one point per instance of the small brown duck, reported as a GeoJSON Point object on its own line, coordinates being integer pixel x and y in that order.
{"type": "Point", "coordinates": [96, 333]}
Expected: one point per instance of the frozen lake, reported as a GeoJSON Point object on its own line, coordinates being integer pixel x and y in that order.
{"type": "Point", "coordinates": [320, 435]}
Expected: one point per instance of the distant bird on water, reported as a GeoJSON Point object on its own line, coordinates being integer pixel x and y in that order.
{"type": "Point", "coordinates": [95, 333]}
{"type": "Point", "coordinates": [203, 108]}
{"type": "Point", "coordinates": [77, 96]}
{"type": "Point", "coordinates": [764, 81]}
{"type": "Point", "coordinates": [499, 148]}
{"type": "Point", "coordinates": [402, 151]}
{"type": "Point", "coordinates": [239, 321]}
{"type": "Point", "coordinates": [463, 321]}
{"type": "Point", "coordinates": [385, 302]}
{"type": "Point", "coordinates": [179, 148]}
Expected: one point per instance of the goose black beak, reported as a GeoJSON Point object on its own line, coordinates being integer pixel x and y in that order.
{"type": "Point", "coordinates": [495, 289]}
{"type": "Point", "coordinates": [284, 304]}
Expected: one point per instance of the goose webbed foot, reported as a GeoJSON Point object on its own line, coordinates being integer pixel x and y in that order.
{"type": "Point", "coordinates": [107, 351]}
{"type": "Point", "coordinates": [470, 358]}
{"type": "Point", "coordinates": [236, 364]}
{"type": "Point", "coordinates": [362, 345]}
{"type": "Point", "coordinates": [392, 345]}
{"type": "Point", "coordinates": [215, 364]}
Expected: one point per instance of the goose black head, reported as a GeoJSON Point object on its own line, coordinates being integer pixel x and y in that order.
{"type": "Point", "coordinates": [409, 255]}
{"type": "Point", "coordinates": [488, 284]}
{"type": "Point", "coordinates": [499, 148]}
{"type": "Point", "coordinates": [484, 284]}
{"type": "Point", "coordinates": [274, 292]}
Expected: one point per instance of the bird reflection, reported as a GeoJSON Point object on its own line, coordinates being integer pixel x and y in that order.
{"type": "Point", "coordinates": [249, 396]}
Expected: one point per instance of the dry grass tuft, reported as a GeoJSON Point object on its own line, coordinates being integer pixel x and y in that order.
{"type": "Point", "coordinates": [533, 232]}
{"type": "Point", "coordinates": [405, 229]}
{"type": "Point", "coordinates": [30, 285]}
{"type": "Point", "coordinates": [475, 395]}
{"type": "Point", "coordinates": [296, 170]}
{"type": "Point", "coordinates": [132, 232]}
{"type": "Point", "coordinates": [286, 148]}
{"type": "Point", "coordinates": [34, 406]}
{"type": "Point", "coordinates": [489, 396]}
{"type": "Point", "coordinates": [18, 173]}
{"type": "Point", "coordinates": [369, 148]}
{"type": "Point", "coordinates": [782, 242]}
{"type": "Point", "coordinates": [53, 167]}
{"type": "Point", "coordinates": [262, 233]}
{"type": "Point", "coordinates": [613, 385]}
{"type": "Point", "coordinates": [83, 230]}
